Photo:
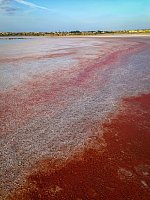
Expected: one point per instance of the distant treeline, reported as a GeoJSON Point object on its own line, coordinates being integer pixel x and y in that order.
{"type": "Point", "coordinates": [73, 33]}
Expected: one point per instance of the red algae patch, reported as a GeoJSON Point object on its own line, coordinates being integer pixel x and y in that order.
{"type": "Point", "coordinates": [119, 169]}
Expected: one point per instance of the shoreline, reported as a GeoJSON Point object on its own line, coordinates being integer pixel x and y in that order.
{"type": "Point", "coordinates": [75, 36]}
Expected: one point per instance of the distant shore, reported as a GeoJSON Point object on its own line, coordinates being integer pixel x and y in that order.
{"type": "Point", "coordinates": [77, 33]}
{"type": "Point", "coordinates": [74, 36]}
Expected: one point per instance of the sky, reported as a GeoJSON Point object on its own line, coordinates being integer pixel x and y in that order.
{"type": "Point", "coordinates": [67, 15]}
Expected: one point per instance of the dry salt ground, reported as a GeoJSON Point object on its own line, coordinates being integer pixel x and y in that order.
{"type": "Point", "coordinates": [53, 90]}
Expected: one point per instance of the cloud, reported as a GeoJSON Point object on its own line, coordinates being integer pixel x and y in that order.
{"type": "Point", "coordinates": [7, 7]}
{"type": "Point", "coordinates": [4, 1]}
{"type": "Point", "coordinates": [33, 5]}
{"type": "Point", "coordinates": [10, 10]}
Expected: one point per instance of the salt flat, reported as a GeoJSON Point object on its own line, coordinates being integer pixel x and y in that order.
{"type": "Point", "coordinates": [54, 91]}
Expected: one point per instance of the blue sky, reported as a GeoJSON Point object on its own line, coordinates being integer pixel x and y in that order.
{"type": "Point", "coordinates": [66, 15]}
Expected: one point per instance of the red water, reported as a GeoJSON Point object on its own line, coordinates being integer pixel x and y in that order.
{"type": "Point", "coordinates": [118, 170]}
